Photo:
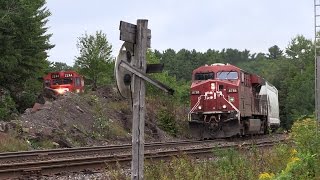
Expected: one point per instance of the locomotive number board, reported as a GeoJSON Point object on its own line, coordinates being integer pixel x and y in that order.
{"type": "Point", "coordinates": [68, 75]}
{"type": "Point", "coordinates": [55, 76]}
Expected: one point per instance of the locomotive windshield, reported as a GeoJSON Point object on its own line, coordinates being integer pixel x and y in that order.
{"type": "Point", "coordinates": [227, 75]}
{"type": "Point", "coordinates": [62, 81]}
{"type": "Point", "coordinates": [204, 76]}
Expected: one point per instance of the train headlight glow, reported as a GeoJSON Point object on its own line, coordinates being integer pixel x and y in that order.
{"type": "Point", "coordinates": [213, 86]}
{"type": "Point", "coordinates": [199, 107]}
{"type": "Point", "coordinates": [61, 90]}
{"type": "Point", "coordinates": [224, 106]}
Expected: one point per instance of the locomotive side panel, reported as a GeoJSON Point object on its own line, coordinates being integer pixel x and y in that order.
{"type": "Point", "coordinates": [245, 94]}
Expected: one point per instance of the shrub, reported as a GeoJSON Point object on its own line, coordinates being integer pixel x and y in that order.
{"type": "Point", "coordinates": [304, 161]}
{"type": "Point", "coordinates": [167, 121]}
{"type": "Point", "coordinates": [26, 98]}
{"type": "Point", "coordinates": [42, 144]}
{"type": "Point", "coordinates": [7, 106]}
{"type": "Point", "coordinates": [304, 134]}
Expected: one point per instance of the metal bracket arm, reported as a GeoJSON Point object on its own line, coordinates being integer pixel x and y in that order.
{"type": "Point", "coordinates": [145, 77]}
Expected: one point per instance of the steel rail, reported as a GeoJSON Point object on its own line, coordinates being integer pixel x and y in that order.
{"type": "Point", "coordinates": [27, 155]}
{"type": "Point", "coordinates": [101, 162]}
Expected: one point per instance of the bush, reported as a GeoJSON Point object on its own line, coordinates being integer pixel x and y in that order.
{"type": "Point", "coordinates": [304, 134]}
{"type": "Point", "coordinates": [167, 122]}
{"type": "Point", "coordinates": [7, 106]}
{"type": "Point", "coordinates": [26, 98]}
{"type": "Point", "coordinates": [304, 161]}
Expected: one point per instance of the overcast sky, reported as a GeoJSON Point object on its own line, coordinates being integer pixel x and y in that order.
{"type": "Point", "coordinates": [255, 25]}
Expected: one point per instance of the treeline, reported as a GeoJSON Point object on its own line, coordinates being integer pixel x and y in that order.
{"type": "Point", "coordinates": [24, 42]}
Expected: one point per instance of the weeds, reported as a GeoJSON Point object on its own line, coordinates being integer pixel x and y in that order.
{"type": "Point", "coordinates": [42, 144]}
{"type": "Point", "coordinates": [10, 143]}
{"type": "Point", "coordinates": [284, 161]}
{"type": "Point", "coordinates": [104, 127]}
{"type": "Point", "coordinates": [167, 121]}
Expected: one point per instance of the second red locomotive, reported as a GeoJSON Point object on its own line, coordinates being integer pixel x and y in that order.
{"type": "Point", "coordinates": [228, 101]}
{"type": "Point", "coordinates": [63, 81]}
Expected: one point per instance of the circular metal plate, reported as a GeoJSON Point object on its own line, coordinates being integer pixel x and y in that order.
{"type": "Point", "coordinates": [125, 54]}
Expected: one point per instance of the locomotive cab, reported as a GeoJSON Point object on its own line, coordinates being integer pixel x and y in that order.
{"type": "Point", "coordinates": [227, 101]}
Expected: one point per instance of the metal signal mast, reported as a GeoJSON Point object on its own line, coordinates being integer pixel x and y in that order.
{"type": "Point", "coordinates": [317, 58]}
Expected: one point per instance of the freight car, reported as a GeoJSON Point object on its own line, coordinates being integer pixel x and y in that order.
{"type": "Point", "coordinates": [227, 101]}
{"type": "Point", "coordinates": [63, 81]}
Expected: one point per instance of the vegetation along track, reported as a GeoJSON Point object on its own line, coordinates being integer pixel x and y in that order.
{"type": "Point", "coordinates": [46, 162]}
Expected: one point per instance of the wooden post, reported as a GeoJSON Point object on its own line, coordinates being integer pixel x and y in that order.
{"type": "Point", "coordinates": [139, 90]}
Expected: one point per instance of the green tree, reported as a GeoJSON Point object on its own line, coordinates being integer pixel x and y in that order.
{"type": "Point", "coordinates": [24, 42]}
{"type": "Point", "coordinates": [58, 66]}
{"type": "Point", "coordinates": [274, 52]}
{"type": "Point", "coordinates": [301, 52]}
{"type": "Point", "coordinates": [95, 61]}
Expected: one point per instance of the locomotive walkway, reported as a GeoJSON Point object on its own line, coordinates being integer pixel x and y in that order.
{"type": "Point", "coordinates": [48, 162]}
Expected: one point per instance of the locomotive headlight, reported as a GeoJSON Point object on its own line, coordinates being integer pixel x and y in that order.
{"type": "Point", "coordinates": [231, 99]}
{"type": "Point", "coordinates": [199, 107]}
{"type": "Point", "coordinates": [224, 106]}
{"type": "Point", "coordinates": [213, 86]}
{"type": "Point", "coordinates": [61, 90]}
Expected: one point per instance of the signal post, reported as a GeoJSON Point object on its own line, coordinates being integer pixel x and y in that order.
{"type": "Point", "coordinates": [130, 72]}
{"type": "Point", "coordinates": [138, 96]}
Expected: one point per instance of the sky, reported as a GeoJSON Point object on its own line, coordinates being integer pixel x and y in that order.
{"type": "Point", "coordinates": [255, 25]}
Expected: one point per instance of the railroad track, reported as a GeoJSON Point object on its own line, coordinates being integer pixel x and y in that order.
{"type": "Point", "coordinates": [95, 160]}
{"type": "Point", "coordinates": [14, 157]}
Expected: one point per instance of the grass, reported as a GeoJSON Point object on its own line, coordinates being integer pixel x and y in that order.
{"type": "Point", "coordinates": [11, 143]}
{"type": "Point", "coordinates": [299, 160]}
{"type": "Point", "coordinates": [42, 144]}
{"type": "Point", "coordinates": [228, 164]}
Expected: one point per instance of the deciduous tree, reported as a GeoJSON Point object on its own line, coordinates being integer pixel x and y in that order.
{"type": "Point", "coordinates": [95, 61]}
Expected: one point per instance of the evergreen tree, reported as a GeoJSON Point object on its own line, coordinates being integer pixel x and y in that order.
{"type": "Point", "coordinates": [274, 52]}
{"type": "Point", "coordinates": [23, 44]}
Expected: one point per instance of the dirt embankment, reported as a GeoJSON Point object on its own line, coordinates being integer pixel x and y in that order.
{"type": "Point", "coordinates": [94, 118]}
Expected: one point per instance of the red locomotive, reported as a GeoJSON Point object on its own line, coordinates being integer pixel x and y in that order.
{"type": "Point", "coordinates": [63, 81]}
{"type": "Point", "coordinates": [228, 101]}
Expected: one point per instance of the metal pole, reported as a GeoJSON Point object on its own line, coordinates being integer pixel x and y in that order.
{"type": "Point", "coordinates": [140, 51]}
{"type": "Point", "coordinates": [315, 62]}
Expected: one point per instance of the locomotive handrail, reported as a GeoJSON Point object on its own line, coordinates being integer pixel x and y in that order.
{"type": "Point", "coordinates": [195, 106]}
{"type": "Point", "coordinates": [234, 107]}
{"type": "Point", "coordinates": [220, 92]}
